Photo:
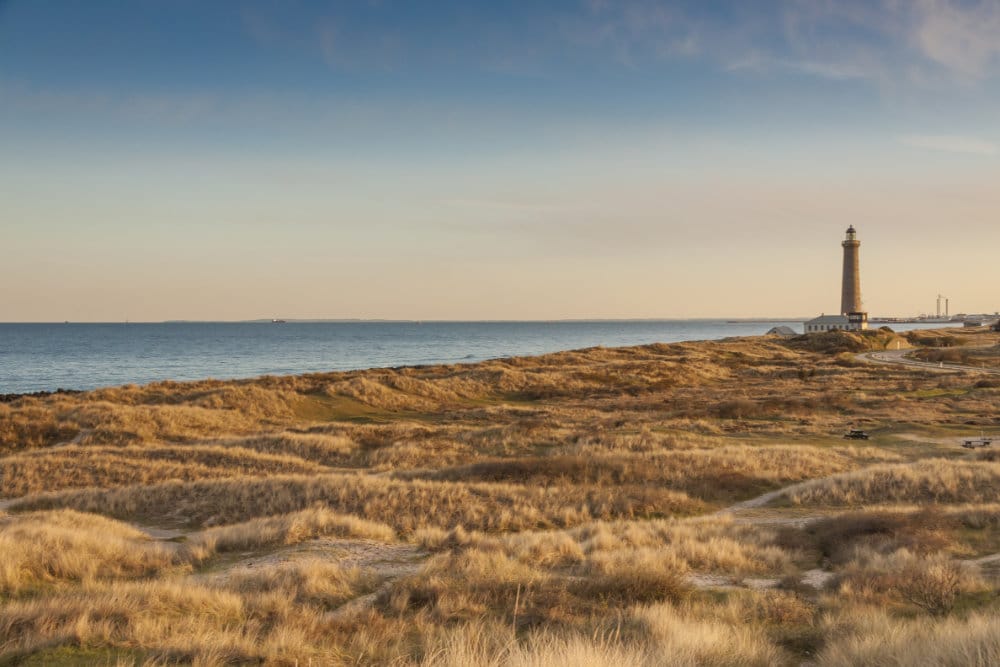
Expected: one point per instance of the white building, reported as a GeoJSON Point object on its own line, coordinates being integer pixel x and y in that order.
{"type": "Point", "coordinates": [852, 322]}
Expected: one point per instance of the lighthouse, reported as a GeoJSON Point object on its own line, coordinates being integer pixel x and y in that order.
{"type": "Point", "coordinates": [852, 316]}
{"type": "Point", "coordinates": [850, 292]}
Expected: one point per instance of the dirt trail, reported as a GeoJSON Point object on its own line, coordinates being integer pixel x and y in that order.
{"type": "Point", "coordinates": [984, 560]}
{"type": "Point", "coordinates": [753, 503]}
{"type": "Point", "coordinates": [386, 561]}
{"type": "Point", "coordinates": [816, 578]}
{"type": "Point", "coordinates": [763, 500]}
{"type": "Point", "coordinates": [164, 534]}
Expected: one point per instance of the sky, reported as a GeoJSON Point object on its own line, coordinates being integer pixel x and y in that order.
{"type": "Point", "coordinates": [483, 160]}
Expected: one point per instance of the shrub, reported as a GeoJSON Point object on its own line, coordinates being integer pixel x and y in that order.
{"type": "Point", "coordinates": [932, 585]}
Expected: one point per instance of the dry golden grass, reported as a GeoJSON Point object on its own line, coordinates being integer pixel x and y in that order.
{"type": "Point", "coordinates": [934, 480]}
{"type": "Point", "coordinates": [931, 583]}
{"type": "Point", "coordinates": [685, 641]}
{"type": "Point", "coordinates": [77, 466]}
{"type": "Point", "coordinates": [567, 578]}
{"type": "Point", "coordinates": [876, 638]}
{"type": "Point", "coordinates": [645, 635]}
{"type": "Point", "coordinates": [406, 506]}
{"type": "Point", "coordinates": [986, 357]}
{"type": "Point", "coordinates": [558, 495]}
{"type": "Point", "coordinates": [703, 545]}
{"type": "Point", "coordinates": [668, 640]}
{"type": "Point", "coordinates": [30, 423]}
{"type": "Point", "coordinates": [289, 529]}
{"type": "Point", "coordinates": [922, 530]}
{"type": "Point", "coordinates": [329, 450]}
{"type": "Point", "coordinates": [170, 620]}
{"type": "Point", "coordinates": [45, 548]}
{"type": "Point", "coordinates": [483, 645]}
{"type": "Point", "coordinates": [721, 473]}
{"type": "Point", "coordinates": [320, 584]}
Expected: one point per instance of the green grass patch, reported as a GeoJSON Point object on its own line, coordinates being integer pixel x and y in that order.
{"type": "Point", "coordinates": [323, 408]}
{"type": "Point", "coordinates": [75, 656]}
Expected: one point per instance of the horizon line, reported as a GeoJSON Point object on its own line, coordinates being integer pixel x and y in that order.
{"type": "Point", "coordinates": [380, 320]}
{"type": "Point", "coordinates": [319, 320]}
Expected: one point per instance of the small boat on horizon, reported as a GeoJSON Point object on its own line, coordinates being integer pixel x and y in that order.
{"type": "Point", "coordinates": [277, 321]}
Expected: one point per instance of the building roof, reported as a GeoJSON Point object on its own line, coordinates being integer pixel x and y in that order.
{"type": "Point", "coordinates": [829, 319]}
{"type": "Point", "coordinates": [782, 331]}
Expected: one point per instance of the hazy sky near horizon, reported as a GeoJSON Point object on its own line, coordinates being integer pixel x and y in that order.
{"type": "Point", "coordinates": [174, 159]}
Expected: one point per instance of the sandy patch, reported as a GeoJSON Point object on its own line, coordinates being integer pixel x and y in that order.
{"type": "Point", "coordinates": [384, 560]}
{"type": "Point", "coordinates": [816, 578]}
{"type": "Point", "coordinates": [918, 437]}
{"type": "Point", "coordinates": [161, 533]}
{"type": "Point", "coordinates": [710, 581]}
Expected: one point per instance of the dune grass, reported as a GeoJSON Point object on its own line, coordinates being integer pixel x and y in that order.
{"type": "Point", "coordinates": [406, 506]}
{"type": "Point", "coordinates": [933, 480]}
{"type": "Point", "coordinates": [78, 466]}
{"type": "Point", "coordinates": [877, 638]}
{"type": "Point", "coordinates": [530, 511]}
{"type": "Point", "coordinates": [725, 473]}
{"type": "Point", "coordinates": [286, 529]}
{"type": "Point", "coordinates": [47, 548]}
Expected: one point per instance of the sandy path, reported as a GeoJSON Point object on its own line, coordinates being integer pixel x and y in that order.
{"type": "Point", "coordinates": [764, 499]}
{"type": "Point", "coordinates": [164, 534]}
{"type": "Point", "coordinates": [816, 578]}
{"type": "Point", "coordinates": [389, 561]}
{"type": "Point", "coordinates": [984, 560]}
{"type": "Point", "coordinates": [759, 501]}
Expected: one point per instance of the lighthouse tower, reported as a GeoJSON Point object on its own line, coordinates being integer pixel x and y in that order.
{"type": "Point", "coordinates": [850, 289]}
{"type": "Point", "coordinates": [850, 293]}
{"type": "Point", "coordinates": [851, 317]}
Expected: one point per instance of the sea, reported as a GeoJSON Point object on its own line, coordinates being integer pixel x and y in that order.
{"type": "Point", "coordinates": [46, 357]}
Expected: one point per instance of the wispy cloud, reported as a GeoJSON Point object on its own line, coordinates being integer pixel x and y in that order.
{"type": "Point", "coordinates": [929, 43]}
{"type": "Point", "coordinates": [964, 37]}
{"type": "Point", "coordinates": [922, 42]}
{"type": "Point", "coordinates": [631, 32]}
{"type": "Point", "coordinates": [837, 71]}
{"type": "Point", "coordinates": [950, 143]}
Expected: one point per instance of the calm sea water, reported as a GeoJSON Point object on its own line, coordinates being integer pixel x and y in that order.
{"type": "Point", "coordinates": [37, 357]}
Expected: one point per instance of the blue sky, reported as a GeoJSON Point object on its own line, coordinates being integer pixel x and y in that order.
{"type": "Point", "coordinates": [494, 160]}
